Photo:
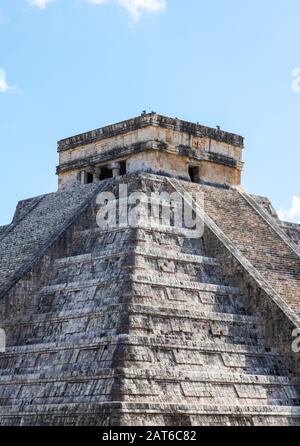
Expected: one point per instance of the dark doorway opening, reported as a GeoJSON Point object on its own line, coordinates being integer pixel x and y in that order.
{"type": "Point", "coordinates": [194, 174]}
{"type": "Point", "coordinates": [89, 178]}
{"type": "Point", "coordinates": [105, 173]}
{"type": "Point", "coordinates": [123, 168]}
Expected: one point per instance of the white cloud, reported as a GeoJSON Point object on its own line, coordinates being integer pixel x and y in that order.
{"type": "Point", "coordinates": [293, 213]}
{"type": "Point", "coordinates": [137, 7]}
{"type": "Point", "coordinates": [39, 3]}
{"type": "Point", "coordinates": [134, 7]}
{"type": "Point", "coordinates": [97, 2]}
{"type": "Point", "coordinates": [4, 87]}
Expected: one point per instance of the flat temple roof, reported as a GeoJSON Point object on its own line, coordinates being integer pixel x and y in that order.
{"type": "Point", "coordinates": [145, 120]}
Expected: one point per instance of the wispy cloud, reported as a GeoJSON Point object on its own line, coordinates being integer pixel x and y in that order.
{"type": "Point", "coordinates": [39, 3]}
{"type": "Point", "coordinates": [135, 7]}
{"type": "Point", "coordinates": [293, 213]}
{"type": "Point", "coordinates": [97, 2]}
{"type": "Point", "coordinates": [4, 87]}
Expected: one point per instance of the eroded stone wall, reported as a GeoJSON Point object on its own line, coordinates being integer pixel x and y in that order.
{"type": "Point", "coordinates": [151, 143]}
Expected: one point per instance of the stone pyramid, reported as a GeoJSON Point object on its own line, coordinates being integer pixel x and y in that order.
{"type": "Point", "coordinates": [145, 326]}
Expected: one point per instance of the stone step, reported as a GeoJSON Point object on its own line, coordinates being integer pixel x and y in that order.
{"type": "Point", "coordinates": [54, 299]}
{"type": "Point", "coordinates": [255, 358]}
{"type": "Point", "coordinates": [156, 374]}
{"type": "Point", "coordinates": [87, 369]}
{"type": "Point", "coordinates": [150, 252]}
{"type": "Point", "coordinates": [178, 312]}
{"type": "Point", "coordinates": [213, 332]}
{"type": "Point", "coordinates": [140, 351]}
{"type": "Point", "coordinates": [154, 280]}
{"type": "Point", "coordinates": [145, 353]}
{"type": "Point", "coordinates": [86, 386]}
{"type": "Point", "coordinates": [181, 283]}
{"type": "Point", "coordinates": [51, 305]}
{"type": "Point", "coordinates": [95, 241]}
{"type": "Point", "coordinates": [97, 414]}
{"type": "Point", "coordinates": [186, 267]}
{"type": "Point", "coordinates": [140, 320]}
{"type": "Point", "coordinates": [64, 393]}
{"type": "Point", "coordinates": [151, 341]}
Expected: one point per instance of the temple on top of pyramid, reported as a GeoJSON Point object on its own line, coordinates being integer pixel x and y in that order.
{"type": "Point", "coordinates": [125, 325]}
{"type": "Point", "coordinates": [155, 144]}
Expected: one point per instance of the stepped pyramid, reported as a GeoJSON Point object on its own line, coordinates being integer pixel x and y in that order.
{"type": "Point", "coordinates": [144, 325]}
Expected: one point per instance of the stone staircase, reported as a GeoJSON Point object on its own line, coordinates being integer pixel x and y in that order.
{"type": "Point", "coordinates": [256, 239]}
{"type": "Point", "coordinates": [35, 227]}
{"type": "Point", "coordinates": [136, 326]}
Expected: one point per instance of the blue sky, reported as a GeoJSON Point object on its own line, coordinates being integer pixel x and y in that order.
{"type": "Point", "coordinates": [70, 66]}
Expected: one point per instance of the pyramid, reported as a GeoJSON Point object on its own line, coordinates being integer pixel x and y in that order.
{"type": "Point", "coordinates": [144, 324]}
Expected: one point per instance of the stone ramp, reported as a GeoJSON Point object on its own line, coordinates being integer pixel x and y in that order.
{"type": "Point", "coordinates": [275, 258]}
{"type": "Point", "coordinates": [35, 227]}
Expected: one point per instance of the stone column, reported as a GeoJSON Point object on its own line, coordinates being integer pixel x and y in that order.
{"type": "Point", "coordinates": [115, 167]}
{"type": "Point", "coordinates": [97, 174]}
{"type": "Point", "coordinates": [85, 172]}
{"type": "Point", "coordinates": [83, 177]}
